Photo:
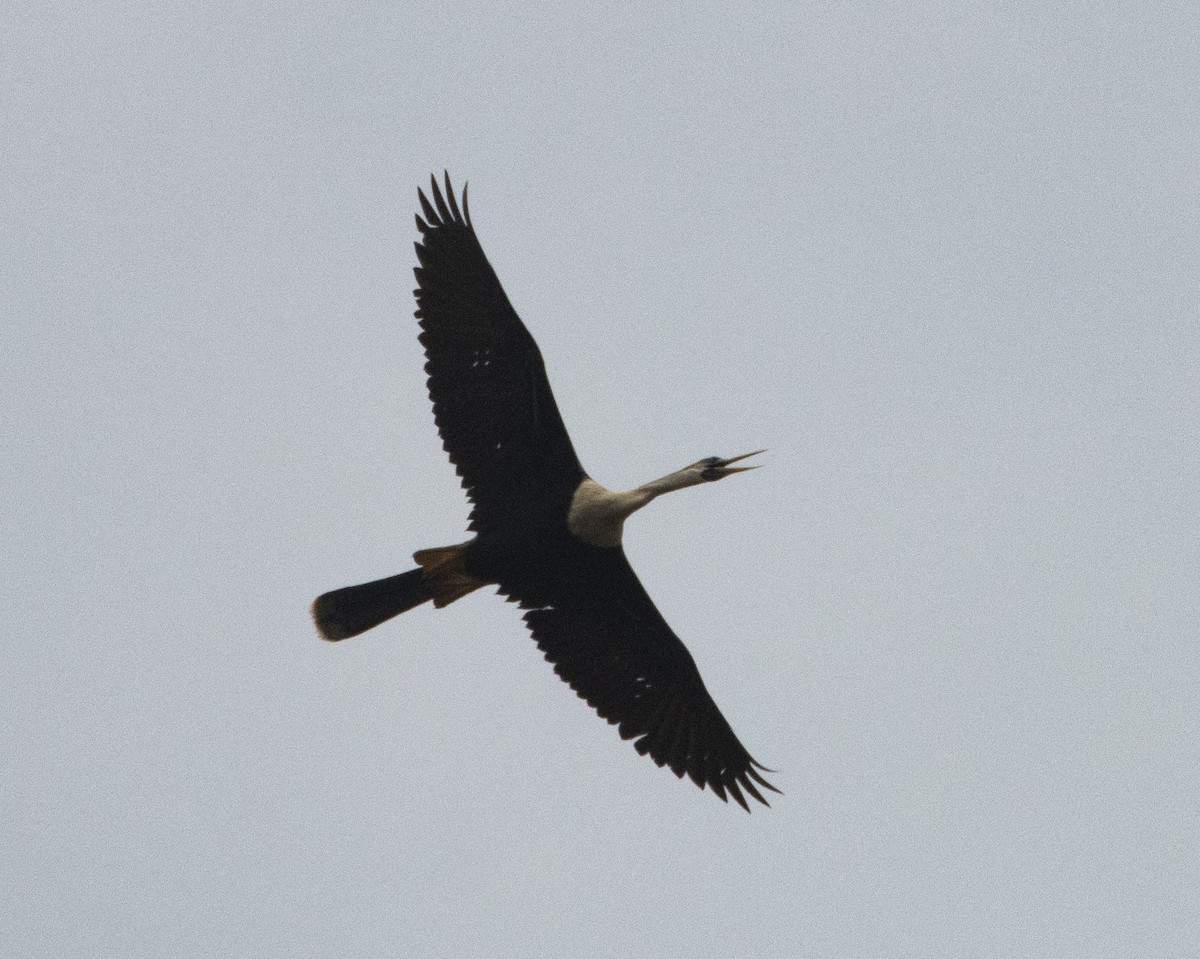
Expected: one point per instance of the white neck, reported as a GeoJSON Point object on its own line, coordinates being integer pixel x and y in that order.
{"type": "Point", "coordinates": [597, 515]}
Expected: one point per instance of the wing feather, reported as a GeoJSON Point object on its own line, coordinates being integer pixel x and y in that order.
{"type": "Point", "coordinates": [618, 654]}
{"type": "Point", "coordinates": [491, 398]}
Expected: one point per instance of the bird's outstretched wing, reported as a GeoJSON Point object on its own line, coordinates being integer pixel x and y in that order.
{"type": "Point", "coordinates": [491, 399]}
{"type": "Point", "coordinates": [617, 652]}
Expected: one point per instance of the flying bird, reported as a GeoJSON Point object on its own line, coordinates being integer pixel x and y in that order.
{"type": "Point", "coordinates": [546, 534]}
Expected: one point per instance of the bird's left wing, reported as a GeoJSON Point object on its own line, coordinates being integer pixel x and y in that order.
{"type": "Point", "coordinates": [618, 653]}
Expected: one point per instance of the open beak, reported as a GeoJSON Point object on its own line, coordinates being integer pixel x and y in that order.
{"type": "Point", "coordinates": [723, 468]}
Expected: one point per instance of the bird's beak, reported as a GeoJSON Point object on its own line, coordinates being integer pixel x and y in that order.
{"type": "Point", "coordinates": [723, 468]}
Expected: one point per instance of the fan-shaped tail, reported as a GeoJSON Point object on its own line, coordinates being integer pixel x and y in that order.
{"type": "Point", "coordinates": [440, 576]}
{"type": "Point", "coordinates": [347, 612]}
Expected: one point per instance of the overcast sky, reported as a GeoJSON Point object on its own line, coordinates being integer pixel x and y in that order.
{"type": "Point", "coordinates": [942, 259]}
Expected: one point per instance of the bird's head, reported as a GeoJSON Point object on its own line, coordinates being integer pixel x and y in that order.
{"type": "Point", "coordinates": [714, 467]}
{"type": "Point", "coordinates": [703, 471]}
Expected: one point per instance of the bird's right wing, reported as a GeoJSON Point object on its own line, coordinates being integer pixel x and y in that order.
{"type": "Point", "coordinates": [613, 647]}
{"type": "Point", "coordinates": [492, 402]}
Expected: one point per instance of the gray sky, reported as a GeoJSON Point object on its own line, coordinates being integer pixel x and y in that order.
{"type": "Point", "coordinates": [942, 259]}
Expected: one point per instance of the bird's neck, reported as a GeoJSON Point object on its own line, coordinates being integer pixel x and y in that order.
{"type": "Point", "coordinates": [667, 484]}
{"type": "Point", "coordinates": [597, 515]}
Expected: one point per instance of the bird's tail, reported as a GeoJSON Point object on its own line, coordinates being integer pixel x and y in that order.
{"type": "Point", "coordinates": [439, 576]}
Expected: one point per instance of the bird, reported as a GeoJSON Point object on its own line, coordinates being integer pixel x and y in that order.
{"type": "Point", "coordinates": [546, 535]}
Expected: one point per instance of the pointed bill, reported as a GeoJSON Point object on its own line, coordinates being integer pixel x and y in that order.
{"type": "Point", "coordinates": [724, 469]}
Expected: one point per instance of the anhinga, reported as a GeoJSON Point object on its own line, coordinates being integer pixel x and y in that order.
{"type": "Point", "coordinates": [547, 534]}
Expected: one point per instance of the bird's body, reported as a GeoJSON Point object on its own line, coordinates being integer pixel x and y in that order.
{"type": "Point", "coordinates": [546, 534]}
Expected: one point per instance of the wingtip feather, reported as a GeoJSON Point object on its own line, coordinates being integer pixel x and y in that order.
{"type": "Point", "coordinates": [427, 208]}
{"type": "Point", "coordinates": [439, 200]}
{"type": "Point", "coordinates": [736, 793]}
{"type": "Point", "coordinates": [450, 198]}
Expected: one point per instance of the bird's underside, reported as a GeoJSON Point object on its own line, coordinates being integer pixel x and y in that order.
{"type": "Point", "coordinates": [538, 536]}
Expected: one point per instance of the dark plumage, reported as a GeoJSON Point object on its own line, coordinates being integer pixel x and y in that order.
{"type": "Point", "coordinates": [546, 534]}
